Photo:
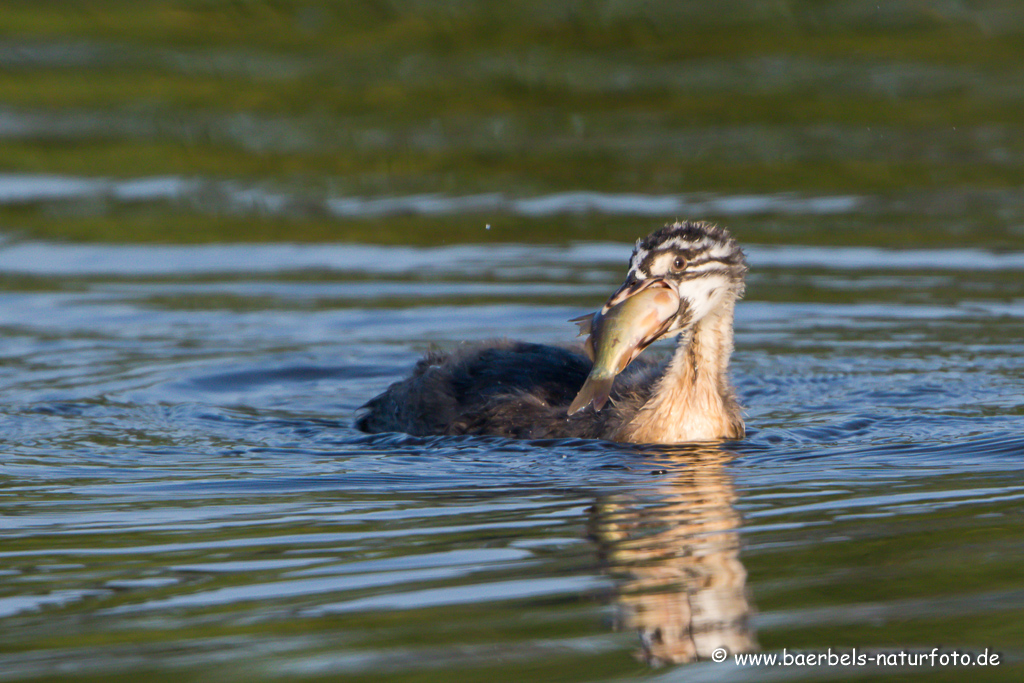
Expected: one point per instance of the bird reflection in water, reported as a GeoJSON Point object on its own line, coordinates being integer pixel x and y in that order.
{"type": "Point", "coordinates": [673, 550]}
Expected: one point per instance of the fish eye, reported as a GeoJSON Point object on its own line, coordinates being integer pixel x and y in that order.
{"type": "Point", "coordinates": [678, 264]}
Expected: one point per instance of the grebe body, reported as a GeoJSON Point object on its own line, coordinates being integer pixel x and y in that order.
{"type": "Point", "coordinates": [522, 390]}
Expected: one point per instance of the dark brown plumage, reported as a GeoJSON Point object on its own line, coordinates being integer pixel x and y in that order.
{"type": "Point", "coordinates": [505, 388]}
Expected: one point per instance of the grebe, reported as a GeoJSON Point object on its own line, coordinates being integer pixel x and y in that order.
{"type": "Point", "coordinates": [522, 390]}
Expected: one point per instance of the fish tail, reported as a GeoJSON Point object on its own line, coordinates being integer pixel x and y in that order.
{"type": "Point", "coordinates": [596, 389]}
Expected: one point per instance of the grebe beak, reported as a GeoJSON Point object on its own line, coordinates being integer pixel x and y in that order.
{"type": "Point", "coordinates": [629, 289]}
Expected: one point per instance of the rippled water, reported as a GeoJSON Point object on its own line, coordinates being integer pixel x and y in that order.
{"type": "Point", "coordinates": [226, 225]}
{"type": "Point", "coordinates": [184, 494]}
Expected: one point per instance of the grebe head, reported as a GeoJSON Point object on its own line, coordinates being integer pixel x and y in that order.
{"type": "Point", "coordinates": [700, 262]}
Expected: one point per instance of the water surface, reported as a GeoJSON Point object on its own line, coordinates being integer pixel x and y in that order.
{"type": "Point", "coordinates": [184, 494]}
{"type": "Point", "coordinates": [226, 225]}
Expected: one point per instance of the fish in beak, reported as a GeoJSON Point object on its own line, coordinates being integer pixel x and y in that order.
{"type": "Point", "coordinates": [636, 315]}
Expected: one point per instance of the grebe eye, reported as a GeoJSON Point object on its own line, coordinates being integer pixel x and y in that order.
{"type": "Point", "coordinates": [679, 263]}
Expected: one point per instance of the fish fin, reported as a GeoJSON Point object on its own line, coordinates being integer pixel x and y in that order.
{"type": "Point", "coordinates": [596, 390]}
{"type": "Point", "coordinates": [588, 346]}
{"type": "Point", "coordinates": [585, 322]}
{"type": "Point", "coordinates": [586, 325]}
{"type": "Point", "coordinates": [635, 352]}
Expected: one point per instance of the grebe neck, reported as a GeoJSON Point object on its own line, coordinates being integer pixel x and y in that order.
{"type": "Point", "coordinates": [693, 399]}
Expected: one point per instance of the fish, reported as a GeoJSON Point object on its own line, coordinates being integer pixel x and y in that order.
{"type": "Point", "coordinates": [618, 333]}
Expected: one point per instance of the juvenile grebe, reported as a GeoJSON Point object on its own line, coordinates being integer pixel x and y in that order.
{"type": "Point", "coordinates": [523, 390]}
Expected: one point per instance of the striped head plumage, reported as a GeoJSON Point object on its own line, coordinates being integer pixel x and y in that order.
{"type": "Point", "coordinates": [678, 276]}
{"type": "Point", "coordinates": [700, 261]}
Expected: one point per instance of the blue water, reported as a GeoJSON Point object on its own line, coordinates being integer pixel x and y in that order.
{"type": "Point", "coordinates": [184, 494]}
